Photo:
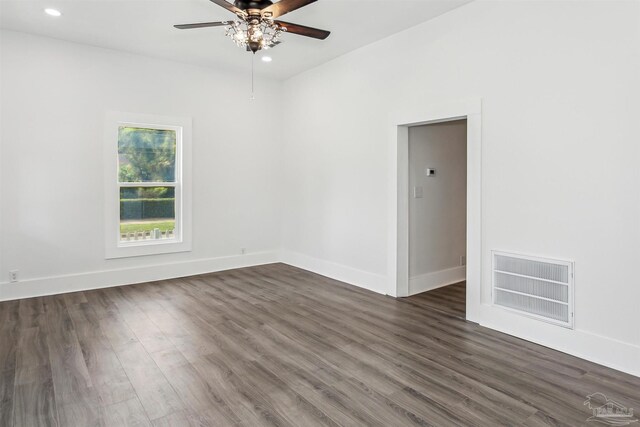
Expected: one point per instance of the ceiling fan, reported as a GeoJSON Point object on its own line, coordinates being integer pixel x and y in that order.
{"type": "Point", "coordinates": [256, 27]}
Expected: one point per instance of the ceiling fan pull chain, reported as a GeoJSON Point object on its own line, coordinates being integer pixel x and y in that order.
{"type": "Point", "coordinates": [252, 78]}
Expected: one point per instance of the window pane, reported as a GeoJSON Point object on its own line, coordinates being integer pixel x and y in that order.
{"type": "Point", "coordinates": [146, 155]}
{"type": "Point", "coordinates": [147, 213]}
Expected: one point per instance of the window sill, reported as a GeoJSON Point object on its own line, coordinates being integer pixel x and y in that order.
{"type": "Point", "coordinates": [135, 249]}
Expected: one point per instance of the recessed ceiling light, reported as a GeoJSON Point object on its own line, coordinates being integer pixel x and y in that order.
{"type": "Point", "coordinates": [52, 12]}
{"type": "Point", "coordinates": [266, 59]}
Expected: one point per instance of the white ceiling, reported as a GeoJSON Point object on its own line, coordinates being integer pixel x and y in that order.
{"type": "Point", "coordinates": [146, 27]}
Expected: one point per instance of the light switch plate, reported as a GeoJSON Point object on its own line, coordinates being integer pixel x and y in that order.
{"type": "Point", "coordinates": [417, 192]}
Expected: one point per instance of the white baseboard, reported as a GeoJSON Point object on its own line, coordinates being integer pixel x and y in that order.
{"type": "Point", "coordinates": [127, 276]}
{"type": "Point", "coordinates": [586, 345]}
{"type": "Point", "coordinates": [436, 279]}
{"type": "Point", "coordinates": [363, 279]}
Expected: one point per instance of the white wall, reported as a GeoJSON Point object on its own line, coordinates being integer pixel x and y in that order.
{"type": "Point", "coordinates": [560, 90]}
{"type": "Point", "coordinates": [54, 98]}
{"type": "Point", "coordinates": [437, 219]}
{"type": "Point", "coordinates": [561, 101]}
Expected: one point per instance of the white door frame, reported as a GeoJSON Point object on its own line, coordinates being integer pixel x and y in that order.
{"type": "Point", "coordinates": [398, 242]}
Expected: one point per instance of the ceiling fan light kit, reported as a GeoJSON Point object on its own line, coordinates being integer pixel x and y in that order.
{"type": "Point", "coordinates": [255, 35]}
{"type": "Point", "coordinates": [255, 27]}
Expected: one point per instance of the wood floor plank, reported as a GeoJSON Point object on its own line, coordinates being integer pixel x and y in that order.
{"type": "Point", "coordinates": [34, 399]}
{"type": "Point", "coordinates": [82, 413]}
{"type": "Point", "coordinates": [279, 401]}
{"type": "Point", "coordinates": [172, 420]}
{"type": "Point", "coordinates": [75, 298]}
{"type": "Point", "coordinates": [154, 391]}
{"type": "Point", "coordinates": [198, 396]}
{"type": "Point", "coordinates": [238, 393]}
{"type": "Point", "coordinates": [540, 419]}
{"type": "Point", "coordinates": [383, 405]}
{"type": "Point", "coordinates": [471, 393]}
{"type": "Point", "coordinates": [450, 299]}
{"type": "Point", "coordinates": [32, 351]}
{"type": "Point", "coordinates": [9, 326]}
{"type": "Point", "coordinates": [77, 402]}
{"type": "Point", "coordinates": [337, 406]}
{"type": "Point", "coordinates": [117, 331]}
{"type": "Point", "coordinates": [31, 312]}
{"type": "Point", "coordinates": [7, 393]}
{"type": "Point", "coordinates": [169, 358]}
{"type": "Point", "coordinates": [128, 413]}
{"type": "Point", "coordinates": [71, 377]}
{"type": "Point", "coordinates": [107, 375]}
{"type": "Point", "coordinates": [358, 398]}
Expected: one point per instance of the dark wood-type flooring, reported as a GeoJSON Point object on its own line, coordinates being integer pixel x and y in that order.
{"type": "Point", "coordinates": [450, 300]}
{"type": "Point", "coordinates": [276, 345]}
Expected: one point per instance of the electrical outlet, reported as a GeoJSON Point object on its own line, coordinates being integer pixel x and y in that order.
{"type": "Point", "coordinates": [463, 260]}
{"type": "Point", "coordinates": [13, 276]}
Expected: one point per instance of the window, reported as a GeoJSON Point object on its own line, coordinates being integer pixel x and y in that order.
{"type": "Point", "coordinates": [148, 201]}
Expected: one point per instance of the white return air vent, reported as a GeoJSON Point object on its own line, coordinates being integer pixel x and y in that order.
{"type": "Point", "coordinates": [536, 287]}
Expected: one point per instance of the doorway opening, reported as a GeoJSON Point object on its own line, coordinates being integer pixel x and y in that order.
{"type": "Point", "coordinates": [398, 249]}
{"type": "Point", "coordinates": [437, 160]}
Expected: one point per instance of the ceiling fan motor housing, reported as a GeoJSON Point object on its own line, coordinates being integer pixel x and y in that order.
{"type": "Point", "coordinates": [252, 4]}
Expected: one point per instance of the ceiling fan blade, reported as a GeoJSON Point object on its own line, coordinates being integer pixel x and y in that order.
{"type": "Point", "coordinates": [304, 31]}
{"type": "Point", "coordinates": [229, 6]}
{"type": "Point", "coordinates": [202, 25]}
{"type": "Point", "coordinates": [285, 6]}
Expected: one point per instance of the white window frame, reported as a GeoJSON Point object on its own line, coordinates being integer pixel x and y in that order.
{"type": "Point", "coordinates": [181, 242]}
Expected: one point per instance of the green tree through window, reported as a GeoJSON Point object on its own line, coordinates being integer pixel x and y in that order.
{"type": "Point", "coordinates": [146, 155]}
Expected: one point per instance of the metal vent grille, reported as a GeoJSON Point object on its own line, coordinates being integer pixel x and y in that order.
{"type": "Point", "coordinates": [536, 287]}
